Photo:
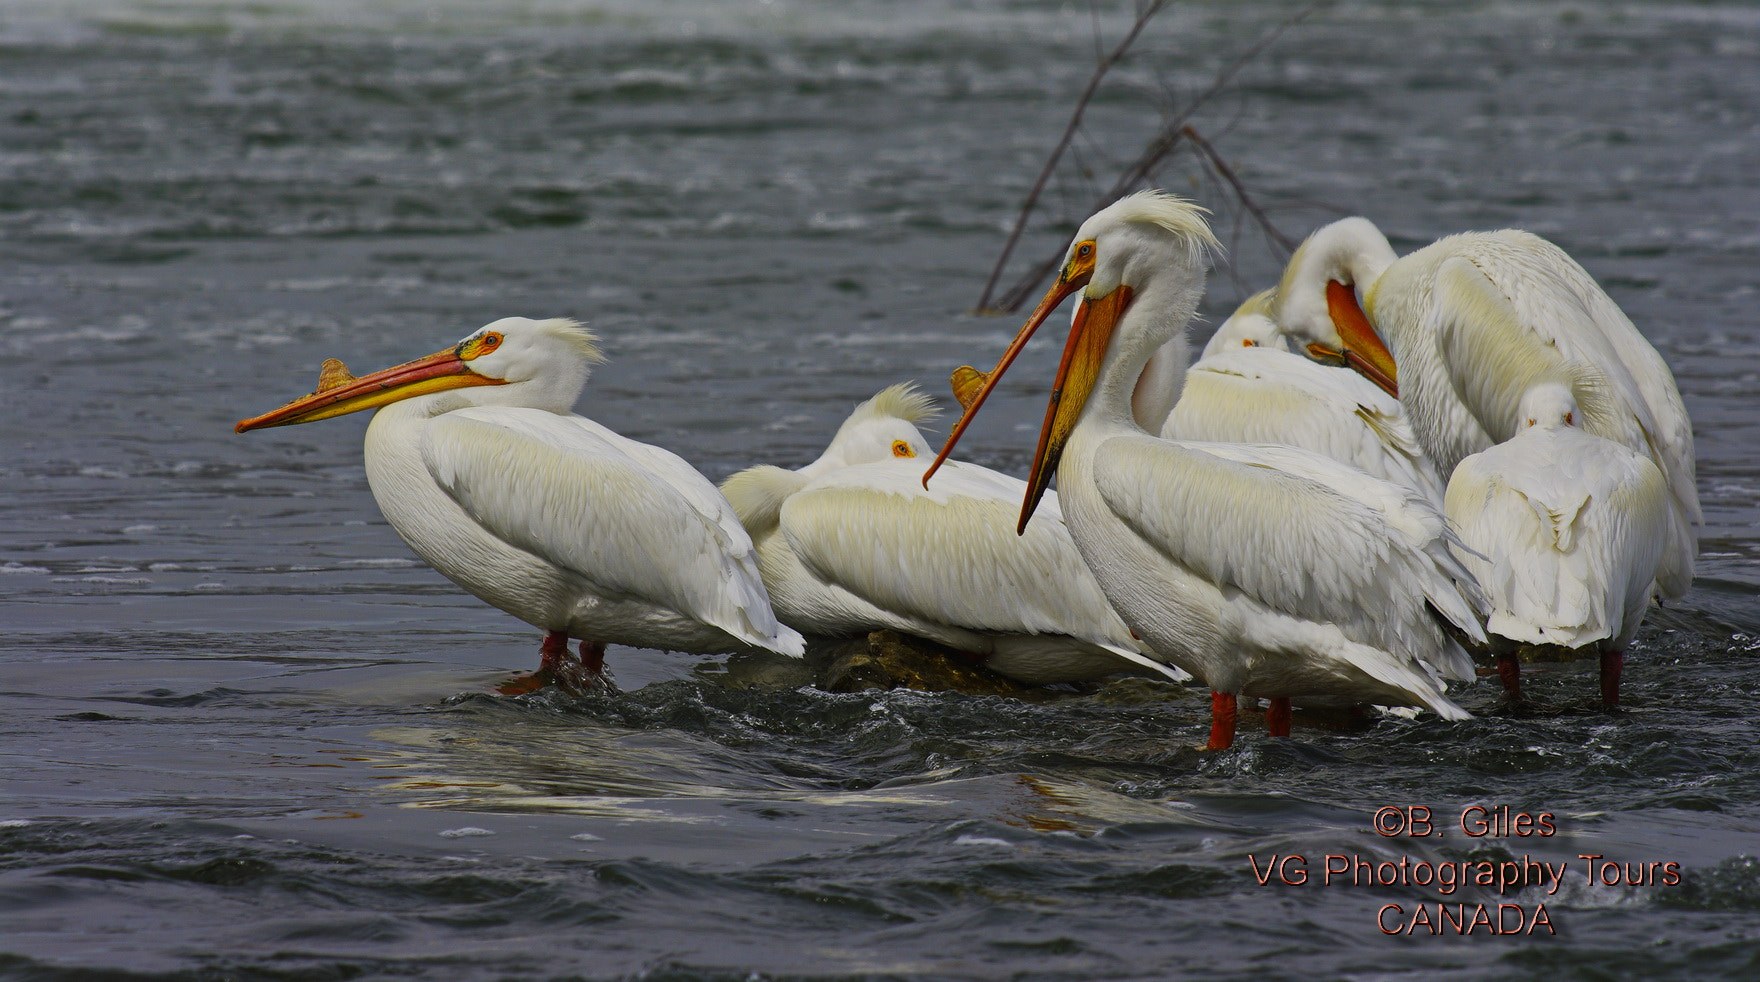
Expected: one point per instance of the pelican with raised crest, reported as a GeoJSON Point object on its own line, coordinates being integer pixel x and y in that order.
{"type": "Point", "coordinates": [477, 461]}
{"type": "Point", "coordinates": [1265, 571]}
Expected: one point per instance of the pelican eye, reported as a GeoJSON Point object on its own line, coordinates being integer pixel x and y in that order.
{"type": "Point", "coordinates": [1570, 419]}
{"type": "Point", "coordinates": [1249, 343]}
{"type": "Point", "coordinates": [902, 449]}
{"type": "Point", "coordinates": [482, 344]}
{"type": "Point", "coordinates": [1085, 250]}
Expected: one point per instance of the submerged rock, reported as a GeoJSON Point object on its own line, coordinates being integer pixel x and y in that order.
{"type": "Point", "coordinates": [1530, 654]}
{"type": "Point", "coordinates": [890, 660]}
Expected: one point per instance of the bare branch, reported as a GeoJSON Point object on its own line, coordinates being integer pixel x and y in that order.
{"type": "Point", "coordinates": [1240, 192]}
{"type": "Point", "coordinates": [1069, 131]}
{"type": "Point", "coordinates": [1172, 134]}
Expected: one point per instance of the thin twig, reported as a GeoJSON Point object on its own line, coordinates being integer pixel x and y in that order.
{"type": "Point", "coordinates": [1170, 136]}
{"type": "Point", "coordinates": [1240, 192]}
{"type": "Point", "coordinates": [1069, 131]}
{"type": "Point", "coordinates": [1157, 151]}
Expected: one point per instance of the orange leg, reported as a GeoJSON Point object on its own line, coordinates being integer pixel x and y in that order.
{"type": "Point", "coordinates": [1277, 716]}
{"type": "Point", "coordinates": [557, 667]}
{"type": "Point", "coordinates": [1222, 720]}
{"type": "Point", "coordinates": [1612, 664]}
{"type": "Point", "coordinates": [1509, 669]}
{"type": "Point", "coordinates": [593, 657]}
{"type": "Point", "coordinates": [553, 653]}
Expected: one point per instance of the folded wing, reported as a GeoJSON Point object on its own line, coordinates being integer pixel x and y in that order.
{"type": "Point", "coordinates": [633, 519]}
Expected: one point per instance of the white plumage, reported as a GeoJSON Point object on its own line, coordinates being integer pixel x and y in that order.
{"type": "Point", "coordinates": [477, 462]}
{"type": "Point", "coordinates": [1475, 320]}
{"type": "Point", "coordinates": [1248, 387]}
{"type": "Point", "coordinates": [1565, 530]}
{"type": "Point", "coordinates": [1263, 570]}
{"type": "Point", "coordinates": [853, 542]}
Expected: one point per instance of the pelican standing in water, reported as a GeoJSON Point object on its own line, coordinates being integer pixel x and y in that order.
{"type": "Point", "coordinates": [1564, 530]}
{"type": "Point", "coordinates": [853, 543]}
{"type": "Point", "coordinates": [1266, 571]}
{"type": "Point", "coordinates": [476, 460]}
{"type": "Point", "coordinates": [1248, 387]}
{"type": "Point", "coordinates": [1463, 327]}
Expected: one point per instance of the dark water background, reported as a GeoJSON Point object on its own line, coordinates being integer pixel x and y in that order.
{"type": "Point", "coordinates": [244, 735]}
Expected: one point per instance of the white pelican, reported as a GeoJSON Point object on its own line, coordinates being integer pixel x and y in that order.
{"type": "Point", "coordinates": [1248, 387]}
{"type": "Point", "coordinates": [1475, 320]}
{"type": "Point", "coordinates": [1267, 571]}
{"type": "Point", "coordinates": [853, 543]}
{"type": "Point", "coordinates": [477, 462]}
{"type": "Point", "coordinates": [1566, 530]}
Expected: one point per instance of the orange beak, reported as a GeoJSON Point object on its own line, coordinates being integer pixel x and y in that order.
{"type": "Point", "coordinates": [974, 401]}
{"type": "Point", "coordinates": [1363, 348]}
{"type": "Point", "coordinates": [336, 396]}
{"type": "Point", "coordinates": [1088, 338]}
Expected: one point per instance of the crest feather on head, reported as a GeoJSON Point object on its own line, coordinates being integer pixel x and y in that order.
{"type": "Point", "coordinates": [901, 401]}
{"type": "Point", "coordinates": [574, 334]}
{"type": "Point", "coordinates": [1170, 212]}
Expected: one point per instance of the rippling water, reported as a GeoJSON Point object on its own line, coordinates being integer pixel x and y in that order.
{"type": "Point", "coordinates": [246, 736]}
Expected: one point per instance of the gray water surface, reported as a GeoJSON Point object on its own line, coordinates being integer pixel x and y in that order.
{"type": "Point", "coordinates": [244, 734]}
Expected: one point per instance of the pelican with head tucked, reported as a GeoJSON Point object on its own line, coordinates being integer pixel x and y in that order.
{"type": "Point", "coordinates": [1248, 387]}
{"type": "Point", "coordinates": [1266, 571]}
{"type": "Point", "coordinates": [853, 543]}
{"type": "Point", "coordinates": [1564, 531]}
{"type": "Point", "coordinates": [478, 463]}
{"type": "Point", "coordinates": [1463, 327]}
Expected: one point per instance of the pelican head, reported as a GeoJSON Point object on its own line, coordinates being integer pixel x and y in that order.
{"type": "Point", "coordinates": [1146, 254]}
{"type": "Point", "coordinates": [1250, 326]}
{"type": "Point", "coordinates": [882, 428]}
{"type": "Point", "coordinates": [1320, 301]}
{"type": "Point", "coordinates": [516, 361]}
{"type": "Point", "coordinates": [1548, 405]}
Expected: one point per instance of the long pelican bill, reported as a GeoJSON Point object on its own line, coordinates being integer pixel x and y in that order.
{"type": "Point", "coordinates": [1089, 335]}
{"type": "Point", "coordinates": [437, 372]}
{"type": "Point", "coordinates": [1074, 276]}
{"type": "Point", "coordinates": [1363, 348]}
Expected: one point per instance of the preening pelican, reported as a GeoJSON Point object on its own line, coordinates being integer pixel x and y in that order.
{"type": "Point", "coordinates": [853, 543]}
{"type": "Point", "coordinates": [1264, 570]}
{"type": "Point", "coordinates": [1473, 321]}
{"type": "Point", "coordinates": [476, 460]}
{"type": "Point", "coordinates": [1566, 530]}
{"type": "Point", "coordinates": [1248, 387]}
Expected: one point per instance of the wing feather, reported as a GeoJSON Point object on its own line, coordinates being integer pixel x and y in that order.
{"type": "Point", "coordinates": [1508, 307]}
{"type": "Point", "coordinates": [949, 554]}
{"type": "Point", "coordinates": [635, 520]}
{"type": "Point", "coordinates": [1261, 395]}
{"type": "Point", "coordinates": [1569, 530]}
{"type": "Point", "coordinates": [1301, 534]}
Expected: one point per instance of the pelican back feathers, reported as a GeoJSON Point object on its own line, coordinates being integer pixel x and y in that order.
{"type": "Point", "coordinates": [572, 492]}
